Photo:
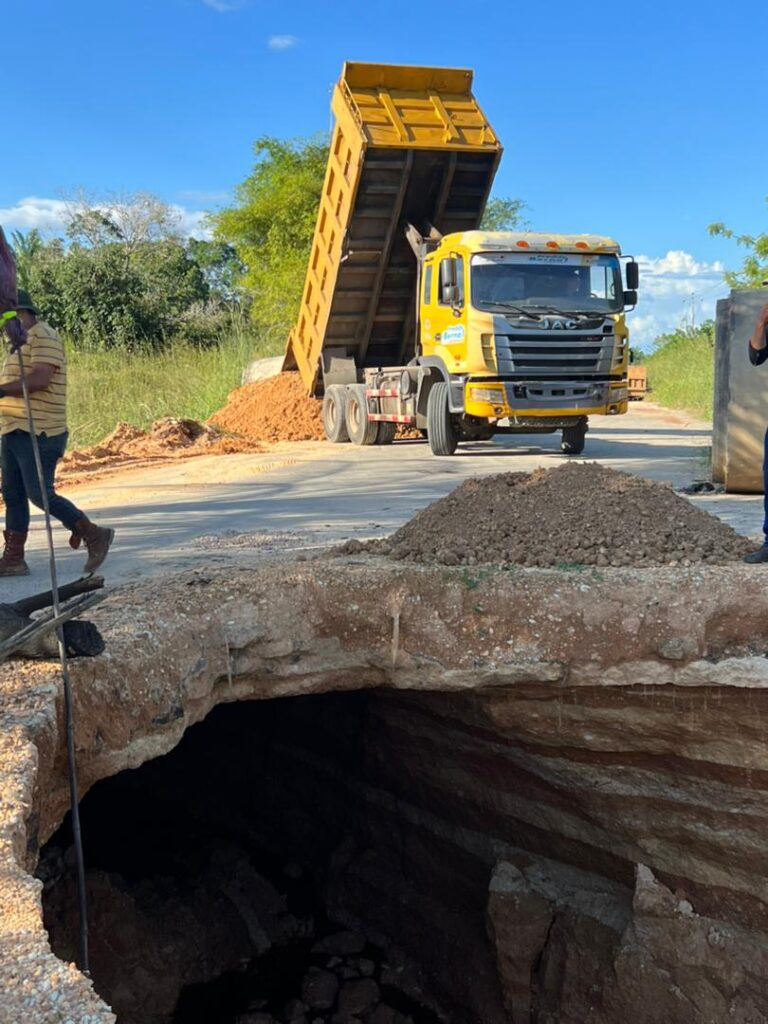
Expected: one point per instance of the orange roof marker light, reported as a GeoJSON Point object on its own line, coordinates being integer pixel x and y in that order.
{"type": "Point", "coordinates": [553, 245]}
{"type": "Point", "coordinates": [582, 245]}
{"type": "Point", "coordinates": [523, 244]}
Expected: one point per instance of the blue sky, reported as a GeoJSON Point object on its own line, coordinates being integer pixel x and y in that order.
{"type": "Point", "coordinates": [641, 120]}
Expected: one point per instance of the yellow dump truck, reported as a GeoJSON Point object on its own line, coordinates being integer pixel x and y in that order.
{"type": "Point", "coordinates": [412, 315]}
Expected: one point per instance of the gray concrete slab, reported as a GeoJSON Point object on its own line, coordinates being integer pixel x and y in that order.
{"type": "Point", "coordinates": [307, 495]}
{"type": "Point", "coordinates": [741, 395]}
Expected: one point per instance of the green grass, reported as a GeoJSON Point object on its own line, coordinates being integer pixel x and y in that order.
{"type": "Point", "coordinates": [139, 387]}
{"type": "Point", "coordinates": [681, 373]}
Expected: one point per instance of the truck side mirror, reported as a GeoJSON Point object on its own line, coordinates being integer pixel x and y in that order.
{"type": "Point", "coordinates": [633, 276]}
{"type": "Point", "coordinates": [449, 282]}
{"type": "Point", "coordinates": [630, 298]}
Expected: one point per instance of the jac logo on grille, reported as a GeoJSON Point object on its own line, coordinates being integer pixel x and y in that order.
{"type": "Point", "coordinates": [558, 325]}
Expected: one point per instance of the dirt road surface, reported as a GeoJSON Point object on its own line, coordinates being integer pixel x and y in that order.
{"type": "Point", "coordinates": [299, 497]}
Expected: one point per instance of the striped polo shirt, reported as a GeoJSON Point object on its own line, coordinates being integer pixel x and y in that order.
{"type": "Point", "coordinates": [49, 405]}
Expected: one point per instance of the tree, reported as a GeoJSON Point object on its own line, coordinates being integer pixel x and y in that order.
{"type": "Point", "coordinates": [26, 250]}
{"type": "Point", "coordinates": [754, 269]}
{"type": "Point", "coordinates": [271, 227]}
{"type": "Point", "coordinates": [129, 220]}
{"type": "Point", "coordinates": [504, 214]}
{"type": "Point", "coordinates": [125, 278]}
{"type": "Point", "coordinates": [222, 268]}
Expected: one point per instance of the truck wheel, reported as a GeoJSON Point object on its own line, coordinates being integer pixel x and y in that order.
{"type": "Point", "coordinates": [333, 415]}
{"type": "Point", "coordinates": [441, 432]}
{"type": "Point", "coordinates": [386, 432]}
{"type": "Point", "coordinates": [359, 428]}
{"type": "Point", "coordinates": [573, 438]}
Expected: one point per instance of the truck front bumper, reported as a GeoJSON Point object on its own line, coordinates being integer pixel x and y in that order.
{"type": "Point", "coordinates": [495, 399]}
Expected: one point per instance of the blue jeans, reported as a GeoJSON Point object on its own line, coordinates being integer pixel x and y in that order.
{"type": "Point", "coordinates": [20, 484]}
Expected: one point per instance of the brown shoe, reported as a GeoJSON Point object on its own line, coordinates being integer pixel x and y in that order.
{"type": "Point", "coordinates": [97, 539]}
{"type": "Point", "coordinates": [12, 562]}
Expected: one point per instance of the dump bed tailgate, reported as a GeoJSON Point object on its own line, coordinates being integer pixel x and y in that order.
{"type": "Point", "coordinates": [411, 145]}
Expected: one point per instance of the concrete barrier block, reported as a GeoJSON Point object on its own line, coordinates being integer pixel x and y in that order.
{"type": "Point", "coordinates": [741, 396]}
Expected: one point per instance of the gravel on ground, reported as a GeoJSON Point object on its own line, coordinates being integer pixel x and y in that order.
{"type": "Point", "coordinates": [579, 513]}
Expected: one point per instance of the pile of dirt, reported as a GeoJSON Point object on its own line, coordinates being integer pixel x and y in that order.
{"type": "Point", "coordinates": [166, 438]}
{"type": "Point", "coordinates": [279, 409]}
{"type": "Point", "coordinates": [275, 409]}
{"type": "Point", "coordinates": [580, 514]}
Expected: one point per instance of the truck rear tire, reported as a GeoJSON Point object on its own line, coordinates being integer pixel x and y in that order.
{"type": "Point", "coordinates": [573, 438]}
{"type": "Point", "coordinates": [361, 430]}
{"type": "Point", "coordinates": [386, 432]}
{"type": "Point", "coordinates": [441, 432]}
{"type": "Point", "coordinates": [334, 415]}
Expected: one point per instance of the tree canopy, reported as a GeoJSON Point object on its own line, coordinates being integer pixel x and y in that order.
{"type": "Point", "coordinates": [754, 269]}
{"type": "Point", "coordinates": [124, 276]}
{"type": "Point", "coordinates": [504, 214]}
{"type": "Point", "coordinates": [271, 227]}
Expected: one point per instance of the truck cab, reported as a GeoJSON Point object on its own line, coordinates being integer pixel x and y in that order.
{"type": "Point", "coordinates": [527, 329]}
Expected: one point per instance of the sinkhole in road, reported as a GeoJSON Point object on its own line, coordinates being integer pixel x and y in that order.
{"type": "Point", "coordinates": [274, 867]}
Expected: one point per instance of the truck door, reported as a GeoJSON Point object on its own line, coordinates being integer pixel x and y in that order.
{"type": "Point", "coordinates": [449, 334]}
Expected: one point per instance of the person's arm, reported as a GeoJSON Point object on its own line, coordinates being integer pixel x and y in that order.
{"type": "Point", "coordinates": [38, 377]}
{"type": "Point", "coordinates": [758, 343]}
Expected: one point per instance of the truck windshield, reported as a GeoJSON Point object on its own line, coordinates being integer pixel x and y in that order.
{"type": "Point", "coordinates": [552, 282]}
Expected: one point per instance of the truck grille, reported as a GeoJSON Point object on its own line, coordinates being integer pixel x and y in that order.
{"type": "Point", "coordinates": [555, 355]}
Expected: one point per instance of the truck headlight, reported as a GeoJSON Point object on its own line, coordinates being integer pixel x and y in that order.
{"type": "Point", "coordinates": [494, 396]}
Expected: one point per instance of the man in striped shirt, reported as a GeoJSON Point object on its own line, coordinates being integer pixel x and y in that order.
{"type": "Point", "coordinates": [45, 367]}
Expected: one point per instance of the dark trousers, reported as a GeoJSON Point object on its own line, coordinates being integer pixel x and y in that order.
{"type": "Point", "coordinates": [765, 490]}
{"type": "Point", "coordinates": [20, 484]}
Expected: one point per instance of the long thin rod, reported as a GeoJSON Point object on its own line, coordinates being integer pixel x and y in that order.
{"type": "Point", "coordinates": [68, 710]}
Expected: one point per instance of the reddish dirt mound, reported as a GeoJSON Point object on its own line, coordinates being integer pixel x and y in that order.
{"type": "Point", "coordinates": [275, 409]}
{"type": "Point", "coordinates": [580, 513]}
{"type": "Point", "coordinates": [167, 438]}
{"type": "Point", "coordinates": [279, 409]}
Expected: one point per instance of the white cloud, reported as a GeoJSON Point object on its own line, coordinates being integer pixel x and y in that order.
{"type": "Point", "coordinates": [281, 42]}
{"type": "Point", "coordinates": [224, 6]}
{"type": "Point", "coordinates": [49, 217]}
{"type": "Point", "coordinates": [191, 222]}
{"type": "Point", "coordinates": [675, 289]}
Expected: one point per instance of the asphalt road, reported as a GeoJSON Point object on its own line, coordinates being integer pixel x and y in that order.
{"type": "Point", "coordinates": [302, 496]}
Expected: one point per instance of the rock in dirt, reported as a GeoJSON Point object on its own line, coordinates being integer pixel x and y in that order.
{"type": "Point", "coordinates": [357, 997]}
{"type": "Point", "coordinates": [340, 944]}
{"type": "Point", "coordinates": [319, 989]}
{"type": "Point", "coordinates": [295, 1011]}
{"type": "Point", "coordinates": [580, 514]}
{"type": "Point", "coordinates": [262, 369]}
{"type": "Point", "coordinates": [383, 1014]}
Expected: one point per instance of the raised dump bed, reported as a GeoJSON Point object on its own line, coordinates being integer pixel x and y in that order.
{"type": "Point", "coordinates": [410, 144]}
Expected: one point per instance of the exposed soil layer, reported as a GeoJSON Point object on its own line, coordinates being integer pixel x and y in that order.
{"type": "Point", "coordinates": [579, 513]}
{"type": "Point", "coordinates": [128, 446]}
{"type": "Point", "coordinates": [584, 787]}
{"type": "Point", "coordinates": [276, 409]}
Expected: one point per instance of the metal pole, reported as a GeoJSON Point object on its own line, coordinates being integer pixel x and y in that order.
{"type": "Point", "coordinates": [68, 710]}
